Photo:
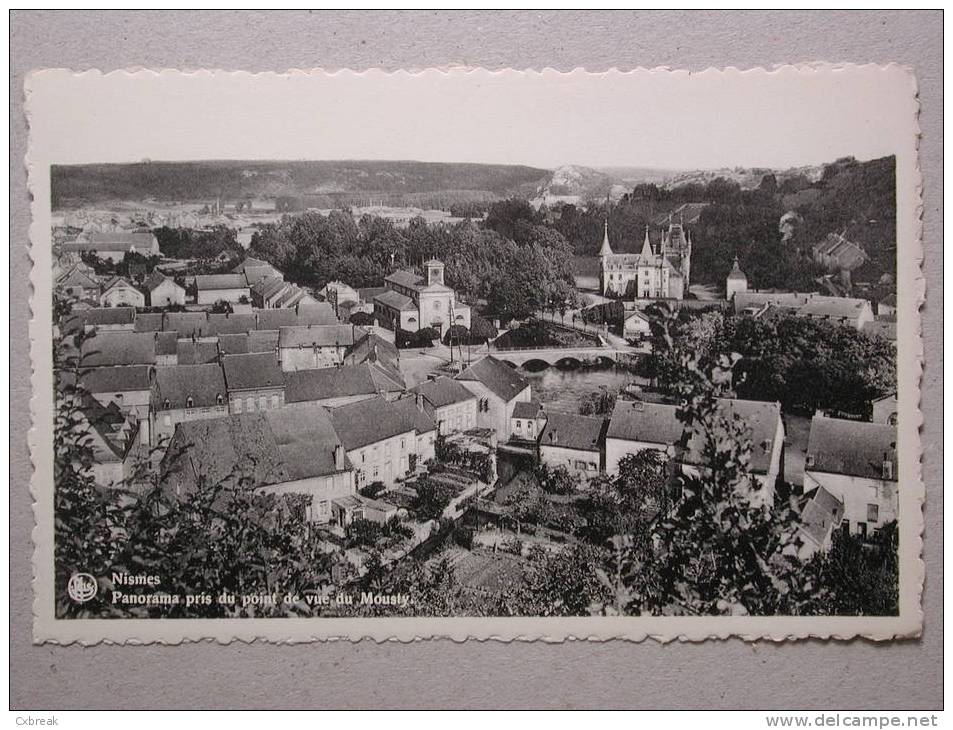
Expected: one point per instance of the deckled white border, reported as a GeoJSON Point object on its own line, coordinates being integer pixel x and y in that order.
{"type": "Point", "coordinates": [911, 286]}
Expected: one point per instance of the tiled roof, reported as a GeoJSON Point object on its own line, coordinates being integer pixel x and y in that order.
{"type": "Point", "coordinates": [852, 448]}
{"type": "Point", "coordinates": [821, 514]}
{"type": "Point", "coordinates": [263, 341]}
{"type": "Point", "coordinates": [330, 335]}
{"type": "Point", "coordinates": [499, 377]}
{"type": "Point", "coordinates": [202, 383]}
{"type": "Point", "coordinates": [527, 409]}
{"type": "Point", "coordinates": [326, 383]}
{"type": "Point", "coordinates": [156, 278]}
{"type": "Point", "coordinates": [367, 293]}
{"type": "Point", "coordinates": [187, 324]}
{"type": "Point", "coordinates": [195, 353]}
{"type": "Point", "coordinates": [395, 300]}
{"type": "Point", "coordinates": [306, 441]}
{"type": "Point", "coordinates": [257, 370]}
{"type": "Point", "coordinates": [837, 307]}
{"type": "Point", "coordinates": [233, 344]}
{"type": "Point", "coordinates": [406, 279]}
{"type": "Point", "coordinates": [216, 282]}
{"type": "Point", "coordinates": [230, 324]}
{"type": "Point", "coordinates": [316, 313]}
{"type": "Point", "coordinates": [249, 262]}
{"type": "Point", "coordinates": [369, 421]}
{"type": "Point", "coordinates": [572, 431]}
{"type": "Point", "coordinates": [443, 391]}
{"type": "Point", "coordinates": [103, 316]}
{"type": "Point", "coordinates": [760, 419]}
{"type": "Point", "coordinates": [149, 322]}
{"type": "Point", "coordinates": [653, 423]}
{"type": "Point", "coordinates": [119, 379]}
{"type": "Point", "coordinates": [119, 348]}
{"type": "Point", "coordinates": [117, 282]}
{"type": "Point", "coordinates": [78, 277]}
{"type": "Point", "coordinates": [408, 410]}
{"type": "Point", "coordinates": [166, 343]}
{"type": "Point", "coordinates": [752, 299]}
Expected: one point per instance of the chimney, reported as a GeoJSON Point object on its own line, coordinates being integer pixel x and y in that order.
{"type": "Point", "coordinates": [420, 401]}
{"type": "Point", "coordinates": [339, 457]}
{"type": "Point", "coordinates": [887, 466]}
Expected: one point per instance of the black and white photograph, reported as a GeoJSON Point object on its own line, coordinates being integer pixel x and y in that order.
{"type": "Point", "coordinates": [479, 346]}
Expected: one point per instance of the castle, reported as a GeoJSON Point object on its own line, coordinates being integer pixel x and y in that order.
{"type": "Point", "coordinates": [661, 273]}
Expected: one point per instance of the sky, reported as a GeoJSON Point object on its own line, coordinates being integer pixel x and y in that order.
{"type": "Point", "coordinates": [672, 120]}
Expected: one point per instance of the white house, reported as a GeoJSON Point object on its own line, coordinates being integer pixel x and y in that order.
{"type": "Point", "coordinates": [498, 389]}
{"type": "Point", "coordinates": [184, 393]}
{"type": "Point", "coordinates": [527, 421]}
{"type": "Point", "coordinates": [635, 324]}
{"type": "Point", "coordinates": [254, 382]}
{"type": "Point", "coordinates": [573, 441]}
{"type": "Point", "coordinates": [212, 288]}
{"type": "Point", "coordinates": [118, 292]}
{"type": "Point", "coordinates": [163, 291]}
{"type": "Point", "coordinates": [856, 462]}
{"type": "Point", "coordinates": [451, 406]}
{"type": "Point", "coordinates": [314, 346]}
{"type": "Point", "coordinates": [380, 438]}
{"type": "Point", "coordinates": [278, 452]}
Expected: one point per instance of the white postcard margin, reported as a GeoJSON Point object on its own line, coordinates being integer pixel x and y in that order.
{"type": "Point", "coordinates": [43, 89]}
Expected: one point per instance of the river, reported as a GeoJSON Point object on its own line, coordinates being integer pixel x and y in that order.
{"type": "Point", "coordinates": [564, 389]}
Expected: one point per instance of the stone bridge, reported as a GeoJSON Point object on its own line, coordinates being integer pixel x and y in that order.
{"type": "Point", "coordinates": [565, 356]}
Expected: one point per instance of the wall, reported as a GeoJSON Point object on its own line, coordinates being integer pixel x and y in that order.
{"type": "Point", "coordinates": [322, 490]}
{"type": "Point", "coordinates": [498, 417]}
{"type": "Point", "coordinates": [310, 358]}
{"type": "Point", "coordinates": [617, 448]}
{"type": "Point", "coordinates": [123, 297]}
{"type": "Point", "coordinates": [221, 295]}
{"type": "Point", "coordinates": [561, 456]}
{"type": "Point", "coordinates": [274, 398]}
{"type": "Point", "coordinates": [168, 292]}
{"type": "Point", "coordinates": [454, 417]}
{"type": "Point", "coordinates": [384, 461]}
{"type": "Point", "coordinates": [856, 493]}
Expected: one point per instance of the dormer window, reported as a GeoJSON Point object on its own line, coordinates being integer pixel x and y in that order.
{"type": "Point", "coordinates": [189, 402]}
{"type": "Point", "coordinates": [219, 399]}
{"type": "Point", "coordinates": [166, 403]}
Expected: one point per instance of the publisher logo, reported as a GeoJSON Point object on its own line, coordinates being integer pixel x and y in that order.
{"type": "Point", "coordinates": [82, 587]}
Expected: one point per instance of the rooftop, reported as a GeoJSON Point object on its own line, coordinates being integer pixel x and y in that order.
{"type": "Point", "coordinates": [496, 375]}
{"type": "Point", "coordinates": [443, 391]}
{"type": "Point", "coordinates": [852, 448]}
{"type": "Point", "coordinates": [255, 370]}
{"type": "Point", "coordinates": [572, 431]}
{"type": "Point", "coordinates": [328, 335]}
{"type": "Point", "coordinates": [369, 421]}
{"type": "Point", "coordinates": [217, 282]}
{"type": "Point", "coordinates": [203, 384]}
{"type": "Point", "coordinates": [326, 383]}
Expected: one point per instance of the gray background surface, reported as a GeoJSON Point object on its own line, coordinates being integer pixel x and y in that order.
{"type": "Point", "coordinates": [717, 674]}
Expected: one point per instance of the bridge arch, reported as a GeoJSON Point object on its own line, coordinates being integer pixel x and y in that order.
{"type": "Point", "coordinates": [569, 363]}
{"type": "Point", "coordinates": [535, 364]}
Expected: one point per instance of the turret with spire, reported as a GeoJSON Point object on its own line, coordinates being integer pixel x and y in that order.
{"type": "Point", "coordinates": [606, 249]}
{"type": "Point", "coordinates": [737, 281]}
{"type": "Point", "coordinates": [646, 246]}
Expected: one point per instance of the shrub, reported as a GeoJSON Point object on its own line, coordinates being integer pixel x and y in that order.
{"type": "Point", "coordinates": [362, 319]}
{"type": "Point", "coordinates": [372, 490]}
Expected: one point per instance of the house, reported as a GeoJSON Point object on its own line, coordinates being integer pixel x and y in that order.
{"type": "Point", "coordinates": [314, 346]}
{"type": "Point", "coordinates": [194, 352]}
{"type": "Point", "coordinates": [573, 441]}
{"type": "Point", "coordinates": [109, 348]}
{"type": "Point", "coordinates": [887, 306]}
{"type": "Point", "coordinates": [230, 323]}
{"type": "Point", "coordinates": [102, 319]}
{"type": "Point", "coordinates": [753, 303]}
{"type": "Point", "coordinates": [346, 510]}
{"type": "Point", "coordinates": [414, 302]}
{"type": "Point", "coordinates": [452, 406]}
{"type": "Point", "coordinates": [527, 421]}
{"type": "Point", "coordinates": [256, 270]}
{"type": "Point", "coordinates": [113, 439]}
{"type": "Point", "coordinates": [112, 246]}
{"type": "Point", "coordinates": [638, 425]}
{"type": "Point", "coordinates": [337, 386]}
{"type": "Point", "coordinates": [884, 410]}
{"type": "Point", "coordinates": [337, 293]}
{"type": "Point", "coordinates": [411, 408]}
{"type": "Point", "coordinates": [498, 389]}
{"type": "Point", "coordinates": [276, 452]}
{"type": "Point", "coordinates": [163, 291]}
{"type": "Point", "coordinates": [635, 324]}
{"type": "Point", "coordinates": [380, 438]}
{"type": "Point", "coordinates": [118, 292]}
{"type": "Point", "coordinates": [847, 311]}
{"type": "Point", "coordinates": [838, 255]}
{"type": "Point", "coordinates": [186, 393]}
{"type": "Point", "coordinates": [212, 288]}
{"type": "Point", "coordinates": [129, 387]}
{"type": "Point", "coordinates": [856, 462]}
{"type": "Point", "coordinates": [820, 516]}
{"type": "Point", "coordinates": [382, 356]}
{"type": "Point", "coordinates": [881, 328]}
{"type": "Point", "coordinates": [265, 293]}
{"type": "Point", "coordinates": [79, 282]}
{"type": "Point", "coordinates": [254, 382]}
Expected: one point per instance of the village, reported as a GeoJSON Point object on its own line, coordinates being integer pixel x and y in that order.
{"type": "Point", "coordinates": [187, 373]}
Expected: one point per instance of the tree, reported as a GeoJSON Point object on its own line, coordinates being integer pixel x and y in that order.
{"type": "Point", "coordinates": [564, 583]}
{"type": "Point", "coordinates": [431, 499]}
{"type": "Point", "coordinates": [599, 403]}
{"type": "Point", "coordinates": [722, 548]}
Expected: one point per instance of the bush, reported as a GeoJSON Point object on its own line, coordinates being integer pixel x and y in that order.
{"type": "Point", "coordinates": [419, 339]}
{"type": "Point", "coordinates": [463, 536]}
{"type": "Point", "coordinates": [372, 490]}
{"type": "Point", "coordinates": [362, 319]}
{"type": "Point", "coordinates": [457, 334]}
{"type": "Point", "coordinates": [363, 532]}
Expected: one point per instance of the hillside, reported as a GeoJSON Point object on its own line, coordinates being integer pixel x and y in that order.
{"type": "Point", "coordinates": [311, 183]}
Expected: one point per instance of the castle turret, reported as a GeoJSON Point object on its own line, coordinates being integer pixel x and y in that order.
{"type": "Point", "coordinates": [737, 281]}
{"type": "Point", "coordinates": [646, 245]}
{"type": "Point", "coordinates": [606, 249]}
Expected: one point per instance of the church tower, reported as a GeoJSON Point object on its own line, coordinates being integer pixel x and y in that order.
{"type": "Point", "coordinates": [737, 281]}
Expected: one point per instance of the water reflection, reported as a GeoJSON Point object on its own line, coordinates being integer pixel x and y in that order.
{"type": "Point", "coordinates": [564, 389]}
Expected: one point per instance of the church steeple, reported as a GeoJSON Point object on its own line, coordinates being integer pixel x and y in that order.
{"type": "Point", "coordinates": [606, 249]}
{"type": "Point", "coordinates": [646, 245]}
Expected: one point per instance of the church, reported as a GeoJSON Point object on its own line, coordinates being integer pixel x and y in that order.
{"type": "Point", "coordinates": [653, 273]}
{"type": "Point", "coordinates": [412, 302]}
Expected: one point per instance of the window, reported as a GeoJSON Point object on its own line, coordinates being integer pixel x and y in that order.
{"type": "Point", "coordinates": [873, 513]}
{"type": "Point", "coordinates": [262, 403]}
{"type": "Point", "coordinates": [436, 305]}
{"type": "Point", "coordinates": [274, 401]}
{"type": "Point", "coordinates": [250, 405]}
{"type": "Point", "coordinates": [238, 405]}
{"type": "Point", "coordinates": [519, 424]}
{"type": "Point", "coordinates": [580, 465]}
